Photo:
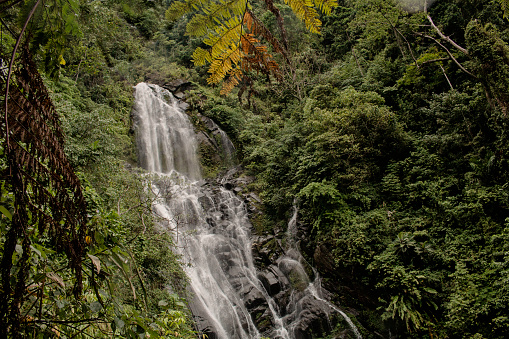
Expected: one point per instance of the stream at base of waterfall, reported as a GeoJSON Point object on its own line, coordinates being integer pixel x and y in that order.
{"type": "Point", "coordinates": [231, 299]}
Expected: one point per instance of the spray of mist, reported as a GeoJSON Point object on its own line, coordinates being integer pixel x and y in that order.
{"type": "Point", "coordinates": [414, 6]}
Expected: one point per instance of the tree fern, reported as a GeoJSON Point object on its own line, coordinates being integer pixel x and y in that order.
{"type": "Point", "coordinates": [233, 80]}
{"type": "Point", "coordinates": [325, 6]}
{"type": "Point", "coordinates": [232, 33]}
{"type": "Point", "coordinates": [304, 10]}
{"type": "Point", "coordinates": [223, 64]}
{"type": "Point", "coordinates": [180, 8]}
{"type": "Point", "coordinates": [256, 27]}
{"type": "Point", "coordinates": [201, 23]}
{"type": "Point", "coordinates": [258, 58]}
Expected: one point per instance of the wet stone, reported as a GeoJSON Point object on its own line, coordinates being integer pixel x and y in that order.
{"type": "Point", "coordinates": [235, 272]}
{"type": "Point", "coordinates": [179, 95]}
{"type": "Point", "coordinates": [239, 283]}
{"type": "Point", "coordinates": [253, 298]}
{"type": "Point", "coordinates": [280, 276]}
{"type": "Point", "coordinates": [205, 202]}
{"type": "Point", "coordinates": [178, 84]}
{"type": "Point", "coordinates": [210, 221]}
{"type": "Point", "coordinates": [270, 282]}
{"type": "Point", "coordinates": [314, 318]}
{"type": "Point", "coordinates": [261, 316]}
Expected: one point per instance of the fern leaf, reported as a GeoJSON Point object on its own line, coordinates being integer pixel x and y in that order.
{"type": "Point", "coordinates": [256, 27]}
{"type": "Point", "coordinates": [180, 8]}
{"type": "Point", "coordinates": [201, 57]}
{"type": "Point", "coordinates": [233, 80]}
{"type": "Point", "coordinates": [224, 63]}
{"type": "Point", "coordinates": [224, 35]}
{"type": "Point", "coordinates": [325, 6]}
{"type": "Point", "coordinates": [304, 10]}
{"type": "Point", "coordinates": [505, 7]}
{"type": "Point", "coordinates": [213, 15]}
{"type": "Point", "coordinates": [258, 58]}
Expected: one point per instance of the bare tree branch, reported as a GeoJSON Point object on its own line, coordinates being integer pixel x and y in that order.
{"type": "Point", "coordinates": [449, 53]}
{"type": "Point", "coordinates": [445, 74]}
{"type": "Point", "coordinates": [404, 38]}
{"type": "Point", "coordinates": [445, 37]}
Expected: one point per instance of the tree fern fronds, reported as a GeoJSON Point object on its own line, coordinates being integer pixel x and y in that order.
{"type": "Point", "coordinates": [213, 15]}
{"type": "Point", "coordinates": [224, 63]}
{"type": "Point", "coordinates": [233, 80]}
{"type": "Point", "coordinates": [224, 35]}
{"type": "Point", "coordinates": [326, 6]}
{"type": "Point", "coordinates": [280, 21]}
{"type": "Point", "coordinates": [258, 58]}
{"type": "Point", "coordinates": [201, 57]}
{"type": "Point", "coordinates": [256, 27]}
{"type": "Point", "coordinates": [180, 8]}
{"type": "Point", "coordinates": [304, 10]}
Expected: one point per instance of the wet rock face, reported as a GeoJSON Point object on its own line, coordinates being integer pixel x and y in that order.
{"type": "Point", "coordinates": [234, 180]}
{"type": "Point", "coordinates": [266, 250]}
{"type": "Point", "coordinates": [273, 280]}
{"type": "Point", "coordinates": [202, 322]}
{"type": "Point", "coordinates": [282, 275]}
{"type": "Point", "coordinates": [314, 319]}
{"type": "Point", "coordinates": [323, 259]}
{"type": "Point", "coordinates": [177, 86]}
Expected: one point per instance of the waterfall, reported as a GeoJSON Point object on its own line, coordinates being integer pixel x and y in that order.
{"type": "Point", "coordinates": [315, 287]}
{"type": "Point", "coordinates": [212, 232]}
{"type": "Point", "coordinates": [164, 135]}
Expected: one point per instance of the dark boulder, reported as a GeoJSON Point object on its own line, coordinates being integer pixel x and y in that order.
{"type": "Point", "coordinates": [313, 320]}
{"type": "Point", "coordinates": [270, 282]}
{"type": "Point", "coordinates": [178, 85]}
{"type": "Point", "coordinates": [262, 318]}
{"type": "Point", "coordinates": [252, 296]}
{"type": "Point", "coordinates": [323, 259]}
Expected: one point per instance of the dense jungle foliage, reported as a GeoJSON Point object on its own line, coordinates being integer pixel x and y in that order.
{"type": "Point", "coordinates": [392, 138]}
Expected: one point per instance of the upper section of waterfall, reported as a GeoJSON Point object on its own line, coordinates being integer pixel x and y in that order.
{"type": "Point", "coordinates": [165, 137]}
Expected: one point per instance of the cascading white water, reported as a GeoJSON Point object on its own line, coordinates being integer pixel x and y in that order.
{"type": "Point", "coordinates": [315, 287]}
{"type": "Point", "coordinates": [211, 223]}
{"type": "Point", "coordinates": [211, 228]}
{"type": "Point", "coordinates": [164, 134]}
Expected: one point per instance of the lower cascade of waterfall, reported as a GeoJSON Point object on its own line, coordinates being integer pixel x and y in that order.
{"type": "Point", "coordinates": [232, 299]}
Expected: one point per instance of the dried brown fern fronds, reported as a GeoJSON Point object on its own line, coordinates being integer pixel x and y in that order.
{"type": "Point", "coordinates": [47, 193]}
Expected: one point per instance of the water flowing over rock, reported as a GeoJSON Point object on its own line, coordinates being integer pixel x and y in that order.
{"type": "Point", "coordinates": [209, 220]}
{"type": "Point", "coordinates": [164, 135]}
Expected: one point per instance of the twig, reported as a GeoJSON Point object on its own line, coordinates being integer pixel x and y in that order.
{"type": "Point", "coordinates": [434, 60]}
{"type": "Point", "coordinates": [81, 331]}
{"type": "Point", "coordinates": [79, 65]}
{"type": "Point", "coordinates": [64, 322]}
{"type": "Point", "coordinates": [355, 55]}
{"type": "Point", "coordinates": [145, 302]}
{"type": "Point", "coordinates": [357, 61]}
{"type": "Point", "coordinates": [445, 74]}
